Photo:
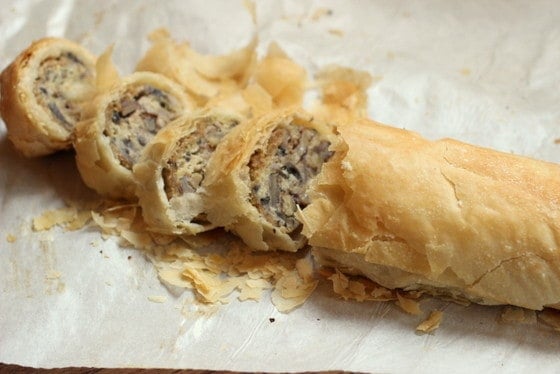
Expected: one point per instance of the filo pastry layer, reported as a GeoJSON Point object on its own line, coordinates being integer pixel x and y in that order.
{"type": "Point", "coordinates": [170, 172]}
{"type": "Point", "coordinates": [43, 92]}
{"type": "Point", "coordinates": [123, 121]}
{"type": "Point", "coordinates": [441, 216]}
{"type": "Point", "coordinates": [257, 178]}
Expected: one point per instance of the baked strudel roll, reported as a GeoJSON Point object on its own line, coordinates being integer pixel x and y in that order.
{"type": "Point", "coordinates": [124, 119]}
{"type": "Point", "coordinates": [173, 165]}
{"type": "Point", "coordinates": [43, 93]}
{"type": "Point", "coordinates": [257, 178]}
{"type": "Point", "coordinates": [441, 216]}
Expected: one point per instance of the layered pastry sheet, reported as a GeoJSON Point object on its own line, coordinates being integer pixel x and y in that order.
{"type": "Point", "coordinates": [444, 216]}
{"type": "Point", "coordinates": [258, 177]}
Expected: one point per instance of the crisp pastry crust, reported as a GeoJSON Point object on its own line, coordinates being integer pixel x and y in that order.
{"type": "Point", "coordinates": [257, 178]}
{"type": "Point", "coordinates": [123, 121]}
{"type": "Point", "coordinates": [443, 216]}
{"type": "Point", "coordinates": [173, 165]}
{"type": "Point", "coordinates": [43, 92]}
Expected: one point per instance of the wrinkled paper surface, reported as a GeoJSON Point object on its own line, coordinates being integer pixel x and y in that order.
{"type": "Point", "coordinates": [483, 72]}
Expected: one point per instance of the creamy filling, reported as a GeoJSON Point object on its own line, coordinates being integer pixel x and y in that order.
{"type": "Point", "coordinates": [135, 118]}
{"type": "Point", "coordinates": [59, 87]}
{"type": "Point", "coordinates": [281, 171]}
{"type": "Point", "coordinates": [185, 169]}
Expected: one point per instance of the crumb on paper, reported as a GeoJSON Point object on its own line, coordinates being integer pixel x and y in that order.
{"type": "Point", "coordinates": [291, 291]}
{"type": "Point", "coordinates": [51, 218]}
{"type": "Point", "coordinates": [197, 310]}
{"type": "Point", "coordinates": [465, 72]}
{"type": "Point", "coordinates": [336, 32]}
{"type": "Point", "coordinates": [157, 299]}
{"type": "Point", "coordinates": [69, 217]}
{"type": "Point", "coordinates": [252, 9]}
{"type": "Point", "coordinates": [409, 305]}
{"type": "Point", "coordinates": [550, 317]}
{"type": "Point", "coordinates": [431, 323]}
{"type": "Point", "coordinates": [80, 220]}
{"type": "Point", "coordinates": [357, 288]}
{"type": "Point", "coordinates": [320, 13]}
{"type": "Point", "coordinates": [53, 274]}
{"type": "Point", "coordinates": [10, 238]}
{"type": "Point", "coordinates": [249, 292]}
{"type": "Point", "coordinates": [98, 17]}
{"type": "Point", "coordinates": [516, 315]}
{"type": "Point", "coordinates": [557, 141]}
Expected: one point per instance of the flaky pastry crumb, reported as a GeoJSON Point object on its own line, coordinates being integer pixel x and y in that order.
{"type": "Point", "coordinates": [431, 323]}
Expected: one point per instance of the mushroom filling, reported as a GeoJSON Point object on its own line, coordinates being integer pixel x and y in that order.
{"type": "Point", "coordinates": [185, 169]}
{"type": "Point", "coordinates": [281, 171]}
{"type": "Point", "coordinates": [135, 118]}
{"type": "Point", "coordinates": [59, 87]}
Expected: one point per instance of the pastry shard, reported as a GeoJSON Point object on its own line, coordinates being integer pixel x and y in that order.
{"type": "Point", "coordinates": [123, 121]}
{"type": "Point", "coordinates": [170, 173]}
{"type": "Point", "coordinates": [43, 91]}
{"type": "Point", "coordinates": [257, 179]}
{"type": "Point", "coordinates": [443, 216]}
{"type": "Point", "coordinates": [202, 76]}
{"type": "Point", "coordinates": [281, 77]}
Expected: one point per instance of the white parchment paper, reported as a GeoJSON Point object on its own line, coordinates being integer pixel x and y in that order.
{"type": "Point", "coordinates": [485, 72]}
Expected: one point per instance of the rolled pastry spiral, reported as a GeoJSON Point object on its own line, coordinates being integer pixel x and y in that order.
{"type": "Point", "coordinates": [43, 93]}
{"type": "Point", "coordinates": [172, 168]}
{"type": "Point", "coordinates": [123, 121]}
{"type": "Point", "coordinates": [257, 179]}
{"type": "Point", "coordinates": [441, 216]}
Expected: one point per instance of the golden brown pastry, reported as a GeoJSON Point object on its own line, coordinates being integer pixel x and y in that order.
{"type": "Point", "coordinates": [202, 76]}
{"type": "Point", "coordinates": [258, 176]}
{"type": "Point", "coordinates": [173, 165]}
{"type": "Point", "coordinates": [124, 119]}
{"type": "Point", "coordinates": [442, 216]}
{"type": "Point", "coordinates": [43, 91]}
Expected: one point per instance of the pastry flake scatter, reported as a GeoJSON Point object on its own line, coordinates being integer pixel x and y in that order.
{"type": "Point", "coordinates": [431, 323]}
{"type": "Point", "coordinates": [70, 218]}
